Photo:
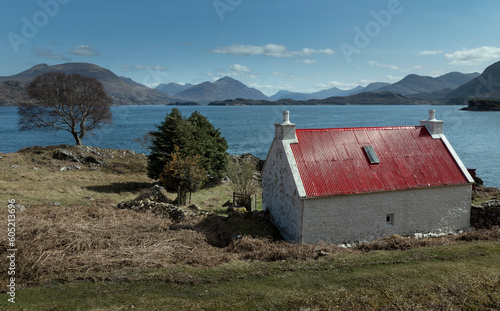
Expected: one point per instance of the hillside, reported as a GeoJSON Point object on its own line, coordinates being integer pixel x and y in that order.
{"type": "Point", "coordinates": [372, 87]}
{"type": "Point", "coordinates": [483, 105]}
{"type": "Point", "coordinates": [173, 88]}
{"type": "Point", "coordinates": [306, 96]}
{"type": "Point", "coordinates": [122, 90]}
{"type": "Point", "coordinates": [125, 91]}
{"type": "Point", "coordinates": [487, 85]}
{"type": "Point", "coordinates": [222, 89]}
{"type": "Point", "coordinates": [418, 86]}
{"type": "Point", "coordinates": [414, 84]}
{"type": "Point", "coordinates": [366, 98]}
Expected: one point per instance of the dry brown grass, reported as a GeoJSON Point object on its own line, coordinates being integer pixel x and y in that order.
{"type": "Point", "coordinates": [265, 249]}
{"type": "Point", "coordinates": [65, 242]}
{"type": "Point", "coordinates": [397, 242]}
{"type": "Point", "coordinates": [484, 194]}
{"type": "Point", "coordinates": [57, 242]}
{"type": "Point", "coordinates": [84, 237]}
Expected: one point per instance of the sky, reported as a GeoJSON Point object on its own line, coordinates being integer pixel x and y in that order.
{"type": "Point", "coordinates": [271, 45]}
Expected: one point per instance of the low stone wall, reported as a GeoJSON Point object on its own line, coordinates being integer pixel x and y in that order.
{"type": "Point", "coordinates": [485, 216]}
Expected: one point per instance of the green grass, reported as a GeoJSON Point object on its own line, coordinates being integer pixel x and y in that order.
{"type": "Point", "coordinates": [453, 277]}
{"type": "Point", "coordinates": [456, 276]}
{"type": "Point", "coordinates": [119, 181]}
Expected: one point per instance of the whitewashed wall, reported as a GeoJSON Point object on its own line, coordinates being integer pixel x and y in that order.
{"type": "Point", "coordinates": [279, 192]}
{"type": "Point", "coordinates": [347, 219]}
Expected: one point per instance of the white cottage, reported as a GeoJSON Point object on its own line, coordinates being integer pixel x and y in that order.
{"type": "Point", "coordinates": [342, 185]}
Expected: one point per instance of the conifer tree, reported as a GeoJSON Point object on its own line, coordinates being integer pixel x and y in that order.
{"type": "Point", "coordinates": [194, 136]}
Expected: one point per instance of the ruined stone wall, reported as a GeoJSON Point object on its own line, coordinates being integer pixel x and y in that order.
{"type": "Point", "coordinates": [485, 216]}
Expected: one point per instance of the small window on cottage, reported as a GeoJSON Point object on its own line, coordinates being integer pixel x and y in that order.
{"type": "Point", "coordinates": [389, 220]}
{"type": "Point", "coordinates": [372, 156]}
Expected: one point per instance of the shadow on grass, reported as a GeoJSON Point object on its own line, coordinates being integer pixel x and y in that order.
{"type": "Point", "coordinates": [220, 231]}
{"type": "Point", "coordinates": [119, 187]}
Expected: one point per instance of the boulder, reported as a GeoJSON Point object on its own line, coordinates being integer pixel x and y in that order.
{"type": "Point", "coordinates": [194, 207]}
{"type": "Point", "coordinates": [70, 168]}
{"type": "Point", "coordinates": [65, 155]}
{"type": "Point", "coordinates": [91, 160]}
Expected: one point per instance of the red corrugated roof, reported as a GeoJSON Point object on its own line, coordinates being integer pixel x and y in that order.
{"type": "Point", "coordinates": [333, 161]}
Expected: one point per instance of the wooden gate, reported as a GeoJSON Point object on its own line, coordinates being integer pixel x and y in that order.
{"type": "Point", "coordinates": [242, 200]}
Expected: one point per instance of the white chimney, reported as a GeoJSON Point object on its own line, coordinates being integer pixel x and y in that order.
{"type": "Point", "coordinates": [285, 130]}
{"type": "Point", "coordinates": [435, 127]}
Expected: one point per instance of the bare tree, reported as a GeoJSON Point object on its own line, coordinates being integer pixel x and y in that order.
{"type": "Point", "coordinates": [74, 103]}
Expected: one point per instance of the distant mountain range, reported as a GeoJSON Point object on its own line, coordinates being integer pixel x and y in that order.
{"type": "Point", "coordinates": [364, 98]}
{"type": "Point", "coordinates": [414, 84]}
{"type": "Point", "coordinates": [487, 85]}
{"type": "Point", "coordinates": [173, 88]}
{"type": "Point", "coordinates": [411, 85]}
{"type": "Point", "coordinates": [203, 93]}
{"type": "Point", "coordinates": [453, 87]}
{"type": "Point", "coordinates": [123, 91]}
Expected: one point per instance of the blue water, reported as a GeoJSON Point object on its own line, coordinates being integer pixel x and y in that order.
{"type": "Point", "coordinates": [250, 129]}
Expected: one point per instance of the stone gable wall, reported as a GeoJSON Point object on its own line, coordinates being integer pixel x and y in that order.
{"type": "Point", "coordinates": [485, 216]}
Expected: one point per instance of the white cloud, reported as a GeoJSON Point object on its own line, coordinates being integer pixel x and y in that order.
{"type": "Point", "coordinates": [158, 68]}
{"type": "Point", "coordinates": [131, 68]}
{"type": "Point", "coordinates": [473, 56]}
{"type": "Point", "coordinates": [236, 70]}
{"type": "Point", "coordinates": [307, 61]}
{"type": "Point", "coordinates": [290, 76]}
{"type": "Point", "coordinates": [337, 84]}
{"type": "Point", "coordinates": [308, 51]}
{"type": "Point", "coordinates": [394, 78]}
{"type": "Point", "coordinates": [271, 50]}
{"type": "Point", "coordinates": [274, 50]}
{"type": "Point", "coordinates": [430, 52]}
{"type": "Point", "coordinates": [376, 64]}
{"type": "Point", "coordinates": [46, 53]}
{"type": "Point", "coordinates": [416, 67]}
{"type": "Point", "coordinates": [84, 50]}
{"type": "Point", "coordinates": [240, 68]}
{"type": "Point", "coordinates": [436, 73]}
{"type": "Point", "coordinates": [261, 86]}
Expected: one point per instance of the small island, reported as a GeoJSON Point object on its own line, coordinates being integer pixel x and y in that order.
{"type": "Point", "coordinates": [483, 105]}
{"type": "Point", "coordinates": [365, 98]}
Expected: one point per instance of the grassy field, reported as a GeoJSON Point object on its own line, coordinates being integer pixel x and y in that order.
{"type": "Point", "coordinates": [85, 254]}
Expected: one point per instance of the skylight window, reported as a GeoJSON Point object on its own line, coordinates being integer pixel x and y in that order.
{"type": "Point", "coordinates": [372, 156]}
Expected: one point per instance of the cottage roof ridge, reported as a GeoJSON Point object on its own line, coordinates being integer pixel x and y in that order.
{"type": "Point", "coordinates": [367, 128]}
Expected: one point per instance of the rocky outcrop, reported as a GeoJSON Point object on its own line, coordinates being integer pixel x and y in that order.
{"type": "Point", "coordinates": [247, 157]}
{"type": "Point", "coordinates": [483, 105]}
{"type": "Point", "coordinates": [155, 200]}
{"type": "Point", "coordinates": [64, 155]}
{"type": "Point", "coordinates": [84, 157]}
{"type": "Point", "coordinates": [164, 209]}
{"type": "Point", "coordinates": [485, 216]}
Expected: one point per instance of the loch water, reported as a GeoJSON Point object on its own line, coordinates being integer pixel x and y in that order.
{"type": "Point", "coordinates": [250, 129]}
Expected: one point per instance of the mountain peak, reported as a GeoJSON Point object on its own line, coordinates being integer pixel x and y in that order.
{"type": "Point", "coordinates": [39, 66]}
{"type": "Point", "coordinates": [227, 78]}
{"type": "Point", "coordinates": [486, 85]}
{"type": "Point", "coordinates": [222, 89]}
{"type": "Point", "coordinates": [123, 91]}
